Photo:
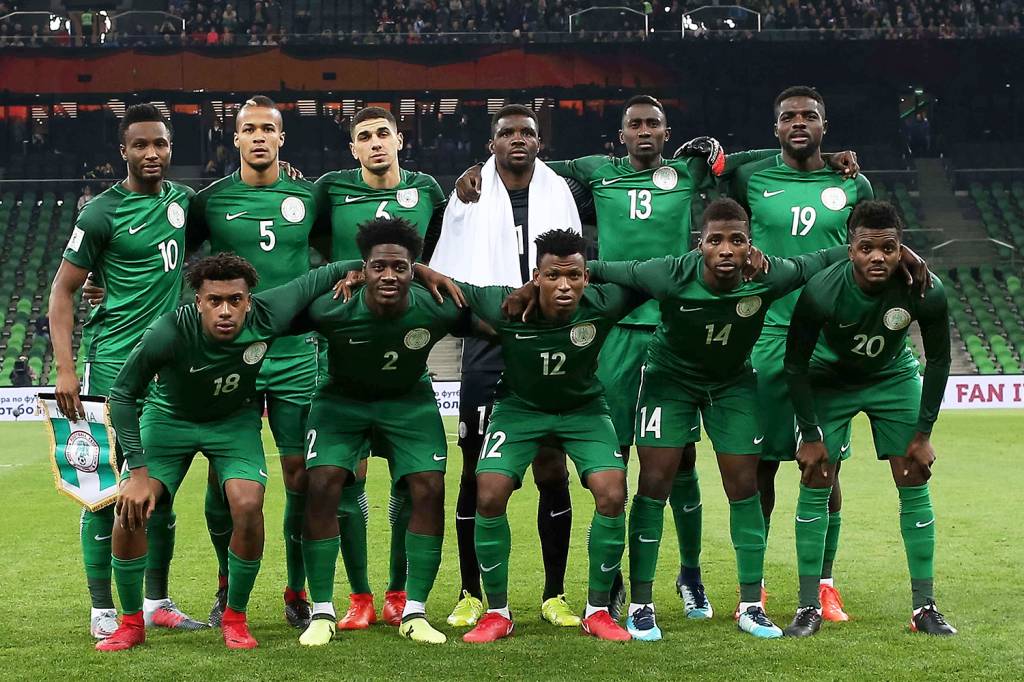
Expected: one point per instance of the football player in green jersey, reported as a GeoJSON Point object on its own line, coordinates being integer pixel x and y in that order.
{"type": "Point", "coordinates": [797, 205]}
{"type": "Point", "coordinates": [549, 395]}
{"type": "Point", "coordinates": [268, 218]}
{"type": "Point", "coordinates": [131, 237]}
{"type": "Point", "coordinates": [698, 365]}
{"type": "Point", "coordinates": [847, 353]}
{"type": "Point", "coordinates": [207, 359]}
{"type": "Point", "coordinates": [379, 188]}
{"type": "Point", "coordinates": [378, 387]}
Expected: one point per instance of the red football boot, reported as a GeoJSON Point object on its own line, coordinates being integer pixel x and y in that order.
{"type": "Point", "coordinates": [831, 604]}
{"type": "Point", "coordinates": [490, 628]}
{"type": "Point", "coordinates": [361, 613]}
{"type": "Point", "coordinates": [236, 630]}
{"type": "Point", "coordinates": [394, 605]}
{"type": "Point", "coordinates": [601, 625]}
{"type": "Point", "coordinates": [130, 633]}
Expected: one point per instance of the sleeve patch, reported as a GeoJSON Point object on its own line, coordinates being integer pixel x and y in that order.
{"type": "Point", "coordinates": [77, 235]}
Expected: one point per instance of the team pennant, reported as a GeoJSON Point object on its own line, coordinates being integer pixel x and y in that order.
{"type": "Point", "coordinates": [82, 452]}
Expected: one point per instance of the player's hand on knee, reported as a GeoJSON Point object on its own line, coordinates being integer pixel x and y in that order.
{"type": "Point", "coordinates": [344, 287]}
{"type": "Point", "coordinates": [920, 455]}
{"type": "Point", "coordinates": [467, 187]}
{"type": "Point", "coordinates": [66, 393]}
{"type": "Point", "coordinates": [845, 163]}
{"type": "Point", "coordinates": [520, 303]}
{"type": "Point", "coordinates": [92, 293]}
{"type": "Point", "coordinates": [135, 500]}
{"type": "Point", "coordinates": [813, 460]}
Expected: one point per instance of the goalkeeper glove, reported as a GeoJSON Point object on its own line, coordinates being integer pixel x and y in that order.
{"type": "Point", "coordinates": [707, 147]}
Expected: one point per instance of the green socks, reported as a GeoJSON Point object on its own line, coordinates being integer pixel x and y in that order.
{"type": "Point", "coordinates": [160, 534]}
{"type": "Point", "coordinates": [294, 511]}
{"type": "Point", "coordinates": [219, 525]}
{"type": "Point", "coordinates": [646, 522]}
{"type": "Point", "coordinates": [96, 529]}
{"type": "Point", "coordinates": [917, 526]}
{"type": "Point", "coordinates": [353, 513]}
{"type": "Point", "coordinates": [424, 553]}
{"type": "Point", "coordinates": [493, 540]}
{"type": "Point", "coordinates": [399, 512]}
{"type": "Point", "coordinates": [128, 574]}
{"type": "Point", "coordinates": [687, 511]}
{"type": "Point", "coordinates": [320, 558]}
{"type": "Point", "coordinates": [835, 522]}
{"type": "Point", "coordinates": [746, 526]}
{"type": "Point", "coordinates": [241, 578]}
{"type": "Point", "coordinates": [605, 546]}
{"type": "Point", "coordinates": [811, 527]}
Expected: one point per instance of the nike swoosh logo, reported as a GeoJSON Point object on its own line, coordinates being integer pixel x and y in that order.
{"type": "Point", "coordinates": [224, 532]}
{"type": "Point", "coordinates": [617, 454]}
{"type": "Point", "coordinates": [925, 524]}
{"type": "Point", "coordinates": [643, 539]}
{"type": "Point", "coordinates": [564, 511]}
{"type": "Point", "coordinates": [605, 181]}
{"type": "Point", "coordinates": [687, 508]}
{"type": "Point", "coordinates": [232, 216]}
{"type": "Point", "coordinates": [520, 336]}
{"type": "Point", "coordinates": [263, 473]}
{"type": "Point", "coordinates": [133, 230]}
{"type": "Point", "coordinates": [757, 441]}
{"type": "Point", "coordinates": [357, 343]}
{"type": "Point", "coordinates": [172, 524]}
{"type": "Point", "coordinates": [465, 518]}
{"type": "Point", "coordinates": [684, 309]}
{"type": "Point", "coordinates": [295, 539]}
{"type": "Point", "coordinates": [844, 326]}
{"type": "Point", "coordinates": [488, 569]}
{"type": "Point", "coordinates": [101, 538]}
{"type": "Point", "coordinates": [769, 195]}
{"type": "Point", "coordinates": [193, 370]}
{"type": "Point", "coordinates": [609, 569]}
{"type": "Point", "coordinates": [439, 459]}
{"type": "Point", "coordinates": [349, 200]}
{"type": "Point", "coordinates": [801, 519]}
{"type": "Point", "coordinates": [844, 448]}
{"type": "Point", "coordinates": [694, 428]}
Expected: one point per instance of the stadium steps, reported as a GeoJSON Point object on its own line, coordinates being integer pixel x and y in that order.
{"type": "Point", "coordinates": [937, 194]}
{"type": "Point", "coordinates": [986, 307]}
{"type": "Point", "coordinates": [445, 359]}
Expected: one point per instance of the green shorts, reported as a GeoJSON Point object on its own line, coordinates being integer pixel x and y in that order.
{"type": "Point", "coordinates": [409, 428]}
{"type": "Point", "coordinates": [773, 403]}
{"type": "Point", "coordinates": [618, 367]}
{"type": "Point", "coordinates": [669, 413]}
{"type": "Point", "coordinates": [233, 446]}
{"type": "Point", "coordinates": [99, 377]}
{"type": "Point", "coordinates": [289, 385]}
{"type": "Point", "coordinates": [516, 430]}
{"type": "Point", "coordinates": [892, 406]}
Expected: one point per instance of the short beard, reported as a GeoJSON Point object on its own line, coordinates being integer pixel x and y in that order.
{"type": "Point", "coordinates": [804, 153]}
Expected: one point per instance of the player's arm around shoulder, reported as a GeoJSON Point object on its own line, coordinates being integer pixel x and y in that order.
{"type": "Point", "coordinates": [274, 310]}
{"type": "Point", "coordinates": [582, 169]}
{"type": "Point", "coordinates": [653, 277]}
{"type": "Point", "coordinates": [615, 301]}
{"type": "Point", "coordinates": [789, 274]}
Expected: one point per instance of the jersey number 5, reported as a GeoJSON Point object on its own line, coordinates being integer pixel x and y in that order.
{"type": "Point", "coordinates": [268, 234]}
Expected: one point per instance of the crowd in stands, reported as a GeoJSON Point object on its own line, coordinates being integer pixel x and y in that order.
{"type": "Point", "coordinates": [211, 23]}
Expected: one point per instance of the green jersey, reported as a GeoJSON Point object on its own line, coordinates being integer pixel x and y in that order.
{"type": "Point", "coordinates": [705, 336]}
{"type": "Point", "coordinates": [643, 213]}
{"type": "Point", "coordinates": [200, 379]}
{"type": "Point", "coordinates": [795, 212]}
{"type": "Point", "coordinates": [842, 335]}
{"type": "Point", "coordinates": [417, 198]}
{"type": "Point", "coordinates": [551, 366]}
{"type": "Point", "coordinates": [373, 358]}
{"type": "Point", "coordinates": [134, 245]}
{"type": "Point", "coordinates": [268, 226]}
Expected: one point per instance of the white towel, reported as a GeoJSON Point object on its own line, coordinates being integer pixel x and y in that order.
{"type": "Point", "coordinates": [478, 242]}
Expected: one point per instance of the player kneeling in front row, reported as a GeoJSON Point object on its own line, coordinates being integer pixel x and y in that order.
{"type": "Point", "coordinates": [846, 353]}
{"type": "Point", "coordinates": [377, 385]}
{"type": "Point", "coordinates": [549, 395]}
{"type": "Point", "coordinates": [207, 357]}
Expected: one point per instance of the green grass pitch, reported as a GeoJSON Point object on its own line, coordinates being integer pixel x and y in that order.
{"type": "Point", "coordinates": [976, 489]}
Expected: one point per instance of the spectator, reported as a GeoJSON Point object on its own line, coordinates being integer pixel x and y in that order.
{"type": "Point", "coordinates": [85, 197]}
{"type": "Point", "coordinates": [43, 326]}
{"type": "Point", "coordinates": [21, 375]}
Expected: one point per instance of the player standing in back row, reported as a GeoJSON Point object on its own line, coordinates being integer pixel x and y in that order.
{"type": "Point", "coordinates": [268, 218]}
{"type": "Point", "coordinates": [132, 238]}
{"type": "Point", "coordinates": [797, 205]}
{"type": "Point", "coordinates": [379, 188]}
